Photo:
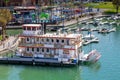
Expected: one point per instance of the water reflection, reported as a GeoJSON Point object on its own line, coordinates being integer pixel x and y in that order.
{"type": "Point", "coordinates": [14, 72]}
{"type": "Point", "coordinates": [4, 72]}
{"type": "Point", "coordinates": [19, 72]}
{"type": "Point", "coordinates": [93, 66]}
{"type": "Point", "coordinates": [51, 73]}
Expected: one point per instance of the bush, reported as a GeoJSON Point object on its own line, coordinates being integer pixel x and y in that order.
{"type": "Point", "coordinates": [109, 12]}
{"type": "Point", "coordinates": [0, 37]}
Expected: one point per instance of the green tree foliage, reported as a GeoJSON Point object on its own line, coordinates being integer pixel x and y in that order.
{"type": "Point", "coordinates": [44, 15]}
{"type": "Point", "coordinates": [6, 2]}
{"type": "Point", "coordinates": [5, 17]}
{"type": "Point", "coordinates": [116, 3]}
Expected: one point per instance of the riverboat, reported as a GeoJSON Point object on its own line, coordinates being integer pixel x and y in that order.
{"type": "Point", "coordinates": [50, 48]}
{"type": "Point", "coordinates": [63, 48]}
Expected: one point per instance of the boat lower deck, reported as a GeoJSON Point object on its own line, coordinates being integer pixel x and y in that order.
{"type": "Point", "coordinates": [32, 61]}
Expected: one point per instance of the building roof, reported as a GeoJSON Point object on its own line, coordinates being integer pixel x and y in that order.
{"type": "Point", "coordinates": [28, 8]}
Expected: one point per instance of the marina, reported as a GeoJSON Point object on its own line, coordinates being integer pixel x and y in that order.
{"type": "Point", "coordinates": [108, 47]}
{"type": "Point", "coordinates": [59, 39]}
{"type": "Point", "coordinates": [35, 45]}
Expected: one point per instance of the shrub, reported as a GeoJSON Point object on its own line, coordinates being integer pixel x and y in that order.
{"type": "Point", "coordinates": [109, 12]}
{"type": "Point", "coordinates": [0, 37]}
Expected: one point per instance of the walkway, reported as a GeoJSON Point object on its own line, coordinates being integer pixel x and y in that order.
{"type": "Point", "coordinates": [7, 44]}
{"type": "Point", "coordinates": [67, 23]}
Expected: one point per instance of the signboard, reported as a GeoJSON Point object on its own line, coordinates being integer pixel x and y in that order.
{"type": "Point", "coordinates": [39, 45]}
{"type": "Point", "coordinates": [66, 51]}
{"type": "Point", "coordinates": [48, 21]}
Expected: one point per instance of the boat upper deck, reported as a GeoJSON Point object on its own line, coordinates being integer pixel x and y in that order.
{"type": "Point", "coordinates": [54, 35]}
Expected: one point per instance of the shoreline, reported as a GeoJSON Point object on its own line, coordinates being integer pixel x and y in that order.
{"type": "Point", "coordinates": [66, 23]}
{"type": "Point", "coordinates": [74, 21]}
{"type": "Point", "coordinates": [32, 61]}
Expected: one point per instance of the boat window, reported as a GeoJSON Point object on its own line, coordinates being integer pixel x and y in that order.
{"type": "Point", "coordinates": [67, 42]}
{"type": "Point", "coordinates": [42, 40]}
{"type": "Point", "coordinates": [37, 49]}
{"type": "Point", "coordinates": [27, 49]}
{"type": "Point", "coordinates": [42, 50]}
{"type": "Point", "coordinates": [47, 50]}
{"type": "Point", "coordinates": [52, 40]}
{"type": "Point", "coordinates": [57, 41]}
{"type": "Point", "coordinates": [37, 39]}
{"type": "Point", "coordinates": [24, 28]}
{"type": "Point", "coordinates": [32, 49]}
{"type": "Point", "coordinates": [28, 39]}
{"type": "Point", "coordinates": [33, 28]}
{"type": "Point", "coordinates": [47, 40]}
{"type": "Point", "coordinates": [62, 41]}
{"type": "Point", "coordinates": [28, 28]}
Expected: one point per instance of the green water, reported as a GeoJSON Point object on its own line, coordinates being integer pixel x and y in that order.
{"type": "Point", "coordinates": [107, 68]}
{"type": "Point", "coordinates": [13, 32]}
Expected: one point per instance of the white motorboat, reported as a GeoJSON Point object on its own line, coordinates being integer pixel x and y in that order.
{"type": "Point", "coordinates": [113, 23]}
{"type": "Point", "coordinates": [84, 29]}
{"type": "Point", "coordinates": [95, 29]}
{"type": "Point", "coordinates": [112, 30]}
{"type": "Point", "coordinates": [92, 56]}
{"type": "Point", "coordinates": [89, 36]}
{"type": "Point", "coordinates": [94, 40]}
{"type": "Point", "coordinates": [103, 31]}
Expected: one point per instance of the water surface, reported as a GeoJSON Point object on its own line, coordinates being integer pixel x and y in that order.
{"type": "Point", "coordinates": [107, 68]}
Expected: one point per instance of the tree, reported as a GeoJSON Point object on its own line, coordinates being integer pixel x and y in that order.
{"type": "Point", "coordinates": [116, 3]}
{"type": "Point", "coordinates": [6, 2]}
{"type": "Point", "coordinates": [5, 17]}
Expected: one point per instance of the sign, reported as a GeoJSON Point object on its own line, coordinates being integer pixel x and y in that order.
{"type": "Point", "coordinates": [39, 45]}
{"type": "Point", "coordinates": [48, 21]}
{"type": "Point", "coordinates": [66, 51]}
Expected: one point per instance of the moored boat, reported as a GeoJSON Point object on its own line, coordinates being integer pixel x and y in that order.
{"type": "Point", "coordinates": [63, 48]}
{"type": "Point", "coordinates": [92, 56]}
{"type": "Point", "coordinates": [88, 41]}
{"type": "Point", "coordinates": [104, 30]}
{"type": "Point", "coordinates": [58, 48]}
{"type": "Point", "coordinates": [112, 30]}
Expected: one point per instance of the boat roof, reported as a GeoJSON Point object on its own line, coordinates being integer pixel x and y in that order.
{"type": "Point", "coordinates": [54, 35]}
{"type": "Point", "coordinates": [62, 35]}
{"type": "Point", "coordinates": [30, 25]}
